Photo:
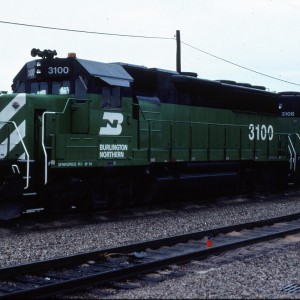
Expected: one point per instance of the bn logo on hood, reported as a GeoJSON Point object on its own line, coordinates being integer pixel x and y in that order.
{"type": "Point", "coordinates": [113, 125]}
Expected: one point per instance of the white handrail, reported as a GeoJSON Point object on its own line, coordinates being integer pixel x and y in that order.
{"type": "Point", "coordinates": [291, 157]}
{"type": "Point", "coordinates": [294, 152]}
{"type": "Point", "coordinates": [27, 155]}
{"type": "Point", "coordinates": [43, 136]}
{"type": "Point", "coordinates": [25, 149]}
{"type": "Point", "coordinates": [293, 160]}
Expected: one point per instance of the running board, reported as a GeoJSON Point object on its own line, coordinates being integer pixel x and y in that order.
{"type": "Point", "coordinates": [33, 210]}
{"type": "Point", "coordinates": [29, 194]}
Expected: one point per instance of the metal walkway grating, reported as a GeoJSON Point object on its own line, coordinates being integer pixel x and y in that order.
{"type": "Point", "coordinates": [291, 288]}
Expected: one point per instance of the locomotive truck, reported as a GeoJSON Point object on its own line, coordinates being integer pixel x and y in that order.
{"type": "Point", "coordinates": [82, 134]}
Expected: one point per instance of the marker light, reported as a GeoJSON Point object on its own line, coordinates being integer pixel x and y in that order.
{"type": "Point", "coordinates": [72, 55]}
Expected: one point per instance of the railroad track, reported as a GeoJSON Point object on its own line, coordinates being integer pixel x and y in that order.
{"type": "Point", "coordinates": [74, 273]}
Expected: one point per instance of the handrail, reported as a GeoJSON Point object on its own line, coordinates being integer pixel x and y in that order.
{"type": "Point", "coordinates": [43, 134]}
{"type": "Point", "coordinates": [294, 159]}
{"type": "Point", "coordinates": [298, 136]}
{"type": "Point", "coordinates": [139, 108]}
{"type": "Point", "coordinates": [25, 149]}
{"type": "Point", "coordinates": [291, 157]}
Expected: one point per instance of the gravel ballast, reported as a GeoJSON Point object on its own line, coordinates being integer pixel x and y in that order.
{"type": "Point", "coordinates": [230, 276]}
{"type": "Point", "coordinates": [18, 247]}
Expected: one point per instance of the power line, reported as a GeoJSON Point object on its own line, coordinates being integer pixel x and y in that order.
{"type": "Point", "coordinates": [85, 31]}
{"type": "Point", "coordinates": [237, 65]}
{"type": "Point", "coordinates": [149, 37]}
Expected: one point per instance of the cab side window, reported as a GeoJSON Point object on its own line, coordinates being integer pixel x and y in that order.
{"type": "Point", "coordinates": [111, 97]}
{"type": "Point", "coordinates": [39, 88]}
{"type": "Point", "coordinates": [19, 88]}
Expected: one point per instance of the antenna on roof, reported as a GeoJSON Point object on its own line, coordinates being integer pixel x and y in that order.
{"type": "Point", "coordinates": [178, 52]}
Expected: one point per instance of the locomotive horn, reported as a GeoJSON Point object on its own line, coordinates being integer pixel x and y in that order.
{"type": "Point", "coordinates": [34, 52]}
{"type": "Point", "coordinates": [43, 54]}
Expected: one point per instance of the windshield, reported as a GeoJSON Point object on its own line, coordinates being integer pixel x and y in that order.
{"type": "Point", "coordinates": [53, 88]}
{"type": "Point", "coordinates": [61, 88]}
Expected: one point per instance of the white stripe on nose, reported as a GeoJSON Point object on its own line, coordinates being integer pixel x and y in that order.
{"type": "Point", "coordinates": [8, 112]}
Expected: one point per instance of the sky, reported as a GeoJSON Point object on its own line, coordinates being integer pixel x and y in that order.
{"type": "Point", "coordinates": [240, 40]}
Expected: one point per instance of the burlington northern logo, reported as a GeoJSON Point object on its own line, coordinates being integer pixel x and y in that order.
{"type": "Point", "coordinates": [113, 125]}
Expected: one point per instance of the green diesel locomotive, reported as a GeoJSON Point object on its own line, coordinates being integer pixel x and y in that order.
{"type": "Point", "coordinates": [83, 134]}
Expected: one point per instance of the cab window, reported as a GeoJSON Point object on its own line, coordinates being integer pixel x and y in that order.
{"type": "Point", "coordinates": [61, 88]}
{"type": "Point", "coordinates": [20, 88]}
{"type": "Point", "coordinates": [111, 97]}
{"type": "Point", "coordinates": [39, 88]}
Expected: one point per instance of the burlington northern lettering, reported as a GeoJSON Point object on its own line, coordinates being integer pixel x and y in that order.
{"type": "Point", "coordinates": [112, 150]}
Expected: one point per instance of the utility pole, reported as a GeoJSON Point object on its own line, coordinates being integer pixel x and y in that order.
{"type": "Point", "coordinates": [178, 52]}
